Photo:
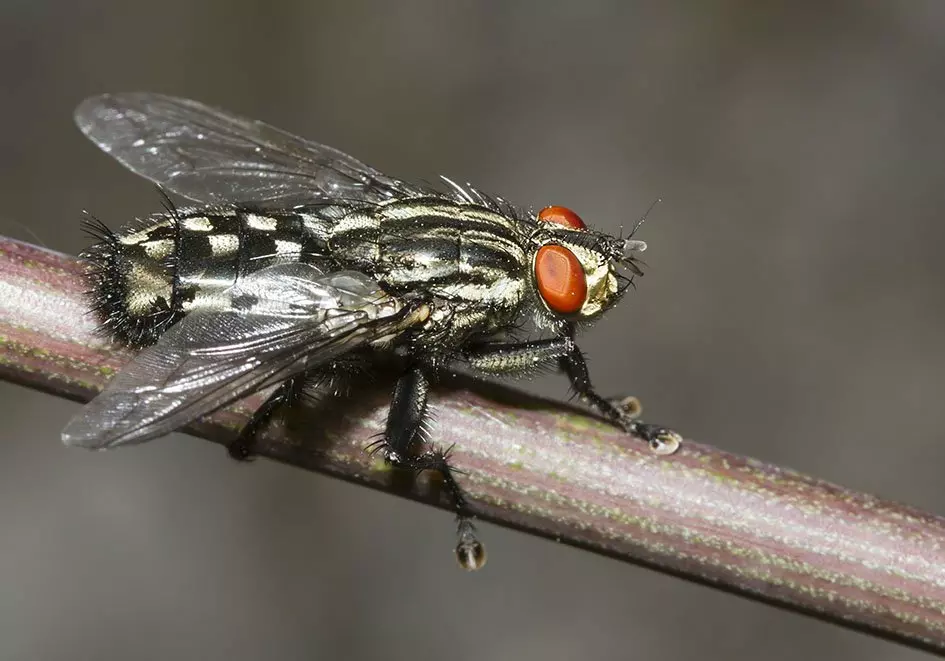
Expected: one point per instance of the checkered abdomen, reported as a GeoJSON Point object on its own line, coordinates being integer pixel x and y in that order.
{"type": "Point", "coordinates": [147, 275]}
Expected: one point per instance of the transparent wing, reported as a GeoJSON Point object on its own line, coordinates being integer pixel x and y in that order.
{"type": "Point", "coordinates": [299, 318]}
{"type": "Point", "coordinates": [213, 156]}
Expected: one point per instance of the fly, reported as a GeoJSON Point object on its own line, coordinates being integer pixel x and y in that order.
{"type": "Point", "coordinates": [299, 264]}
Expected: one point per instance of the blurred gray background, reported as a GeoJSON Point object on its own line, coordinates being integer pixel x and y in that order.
{"type": "Point", "coordinates": [793, 310]}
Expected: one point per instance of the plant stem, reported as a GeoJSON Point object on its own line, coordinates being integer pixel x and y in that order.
{"type": "Point", "coordinates": [738, 524]}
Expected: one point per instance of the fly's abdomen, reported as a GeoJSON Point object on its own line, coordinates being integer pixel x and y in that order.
{"type": "Point", "coordinates": [148, 274]}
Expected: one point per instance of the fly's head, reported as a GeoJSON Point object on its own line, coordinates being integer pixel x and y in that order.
{"type": "Point", "coordinates": [579, 273]}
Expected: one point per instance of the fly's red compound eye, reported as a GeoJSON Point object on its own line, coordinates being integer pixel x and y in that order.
{"type": "Point", "coordinates": [562, 216]}
{"type": "Point", "coordinates": [561, 280]}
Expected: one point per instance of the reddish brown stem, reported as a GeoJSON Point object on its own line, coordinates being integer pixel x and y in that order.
{"type": "Point", "coordinates": [702, 514]}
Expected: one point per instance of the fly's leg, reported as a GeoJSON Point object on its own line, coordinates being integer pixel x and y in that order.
{"type": "Point", "coordinates": [285, 395]}
{"type": "Point", "coordinates": [524, 356]}
{"type": "Point", "coordinates": [405, 428]}
{"type": "Point", "coordinates": [516, 357]}
{"type": "Point", "coordinates": [661, 439]}
{"type": "Point", "coordinates": [330, 379]}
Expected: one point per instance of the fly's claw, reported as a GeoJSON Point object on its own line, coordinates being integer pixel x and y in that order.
{"type": "Point", "coordinates": [662, 441]}
{"type": "Point", "coordinates": [470, 552]}
{"type": "Point", "coordinates": [240, 451]}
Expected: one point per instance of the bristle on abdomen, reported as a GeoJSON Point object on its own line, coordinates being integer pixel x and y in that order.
{"type": "Point", "coordinates": [131, 274]}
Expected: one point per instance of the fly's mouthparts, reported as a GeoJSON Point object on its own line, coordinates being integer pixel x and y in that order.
{"type": "Point", "coordinates": [631, 246]}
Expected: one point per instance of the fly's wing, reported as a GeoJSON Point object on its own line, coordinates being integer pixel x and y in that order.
{"type": "Point", "coordinates": [213, 156]}
{"type": "Point", "coordinates": [293, 317]}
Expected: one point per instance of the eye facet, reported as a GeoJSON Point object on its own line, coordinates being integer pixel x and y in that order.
{"type": "Point", "coordinates": [562, 216]}
{"type": "Point", "coordinates": [561, 280]}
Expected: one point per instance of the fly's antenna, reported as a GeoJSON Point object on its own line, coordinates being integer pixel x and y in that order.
{"type": "Point", "coordinates": [643, 219]}
{"type": "Point", "coordinates": [631, 245]}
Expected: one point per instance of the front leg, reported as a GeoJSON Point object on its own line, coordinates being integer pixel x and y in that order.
{"type": "Point", "coordinates": [501, 358]}
{"type": "Point", "coordinates": [661, 439]}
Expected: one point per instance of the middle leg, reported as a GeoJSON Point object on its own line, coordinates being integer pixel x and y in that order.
{"type": "Point", "coordinates": [406, 422]}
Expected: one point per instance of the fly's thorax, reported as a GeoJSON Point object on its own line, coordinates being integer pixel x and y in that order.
{"type": "Point", "coordinates": [460, 253]}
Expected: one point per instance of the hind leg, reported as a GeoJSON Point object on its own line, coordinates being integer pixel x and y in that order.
{"type": "Point", "coordinates": [328, 380]}
{"type": "Point", "coordinates": [287, 394]}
